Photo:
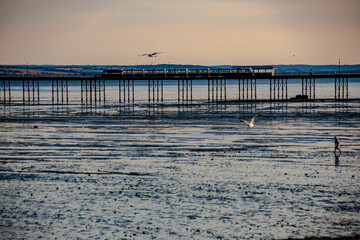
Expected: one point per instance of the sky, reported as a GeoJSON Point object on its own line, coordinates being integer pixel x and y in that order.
{"type": "Point", "coordinates": [206, 32]}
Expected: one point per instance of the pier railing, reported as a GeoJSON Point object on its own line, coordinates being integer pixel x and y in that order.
{"type": "Point", "coordinates": [199, 72]}
{"type": "Point", "coordinates": [318, 73]}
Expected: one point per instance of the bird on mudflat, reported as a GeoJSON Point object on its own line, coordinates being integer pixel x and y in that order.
{"type": "Point", "coordinates": [251, 124]}
{"type": "Point", "coordinates": [150, 54]}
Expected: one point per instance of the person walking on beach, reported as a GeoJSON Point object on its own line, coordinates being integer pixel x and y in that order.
{"type": "Point", "coordinates": [337, 145]}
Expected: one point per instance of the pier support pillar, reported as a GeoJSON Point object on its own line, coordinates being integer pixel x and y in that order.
{"type": "Point", "coordinates": [92, 91]}
{"type": "Point", "coordinates": [60, 91]}
{"type": "Point", "coordinates": [126, 91]}
{"type": "Point", "coordinates": [155, 90]}
{"type": "Point", "coordinates": [341, 88]}
{"type": "Point", "coordinates": [247, 89]}
{"type": "Point", "coordinates": [31, 92]}
{"type": "Point", "coordinates": [185, 90]}
{"type": "Point", "coordinates": [308, 88]}
{"type": "Point", "coordinates": [216, 90]}
{"type": "Point", "coordinates": [278, 89]}
{"type": "Point", "coordinates": [5, 91]}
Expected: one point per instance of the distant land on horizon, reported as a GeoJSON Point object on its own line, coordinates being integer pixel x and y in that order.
{"type": "Point", "coordinates": [97, 69]}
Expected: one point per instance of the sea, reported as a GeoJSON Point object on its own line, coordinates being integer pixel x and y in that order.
{"type": "Point", "coordinates": [180, 171]}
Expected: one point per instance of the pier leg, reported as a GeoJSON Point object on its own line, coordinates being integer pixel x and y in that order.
{"type": "Point", "coordinates": [67, 91]}
{"type": "Point", "coordinates": [33, 91]}
{"type": "Point", "coordinates": [339, 88]}
{"type": "Point", "coordinates": [62, 91]}
{"type": "Point", "coordinates": [216, 89]}
{"type": "Point", "coordinates": [153, 90]}
{"type": "Point", "coordinates": [208, 90]}
{"type": "Point", "coordinates": [239, 89]}
{"type": "Point", "coordinates": [87, 90]}
{"type": "Point", "coordinates": [23, 83]}
{"type": "Point", "coordinates": [128, 90]}
{"type": "Point", "coordinates": [347, 88]}
{"type": "Point", "coordinates": [38, 91]}
{"type": "Point", "coordinates": [221, 89]}
{"type": "Point", "coordinates": [302, 86]}
{"type": "Point", "coordinates": [91, 91]}
{"type": "Point", "coordinates": [162, 90]}
{"type": "Point", "coordinates": [314, 97]}
{"type": "Point", "coordinates": [82, 92]}
{"type": "Point", "coordinates": [179, 90]}
{"type": "Point", "coordinates": [187, 89]}
{"type": "Point", "coordinates": [247, 88]}
{"type": "Point", "coordinates": [279, 87]}
{"type": "Point", "coordinates": [335, 87]}
{"type": "Point", "coordinates": [212, 90]}
{"type": "Point", "coordinates": [191, 90]}
{"type": "Point", "coordinates": [251, 88]}
{"type": "Point", "coordinates": [124, 91]}
{"type": "Point", "coordinates": [95, 90]}
{"type": "Point", "coordinates": [120, 89]}
{"type": "Point", "coordinates": [255, 89]}
{"type": "Point", "coordinates": [2, 90]}
{"type": "Point", "coordinates": [5, 90]}
{"type": "Point", "coordinates": [9, 89]}
{"type": "Point", "coordinates": [104, 98]}
{"type": "Point", "coordinates": [243, 89]}
{"type": "Point", "coordinates": [9, 92]}
{"type": "Point", "coordinates": [98, 91]}
{"type": "Point", "coordinates": [28, 90]}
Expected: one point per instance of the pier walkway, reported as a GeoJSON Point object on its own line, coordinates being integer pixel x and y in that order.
{"type": "Point", "coordinates": [93, 88]}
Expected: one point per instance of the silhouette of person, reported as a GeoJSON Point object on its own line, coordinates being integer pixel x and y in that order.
{"type": "Point", "coordinates": [337, 145]}
{"type": "Point", "coordinates": [310, 72]}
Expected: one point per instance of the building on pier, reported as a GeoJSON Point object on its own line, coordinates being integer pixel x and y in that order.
{"type": "Point", "coordinates": [199, 73]}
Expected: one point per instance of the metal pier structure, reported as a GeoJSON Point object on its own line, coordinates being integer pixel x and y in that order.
{"type": "Point", "coordinates": [93, 88]}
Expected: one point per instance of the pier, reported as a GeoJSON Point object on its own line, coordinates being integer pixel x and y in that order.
{"type": "Point", "coordinates": [93, 89]}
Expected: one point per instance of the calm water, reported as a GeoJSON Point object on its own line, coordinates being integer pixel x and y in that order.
{"type": "Point", "coordinates": [179, 172]}
{"type": "Point", "coordinates": [324, 89]}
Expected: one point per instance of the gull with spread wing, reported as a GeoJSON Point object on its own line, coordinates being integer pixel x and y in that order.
{"type": "Point", "coordinates": [251, 124]}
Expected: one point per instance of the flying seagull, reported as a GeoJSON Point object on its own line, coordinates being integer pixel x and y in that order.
{"type": "Point", "coordinates": [150, 54]}
{"type": "Point", "coordinates": [251, 124]}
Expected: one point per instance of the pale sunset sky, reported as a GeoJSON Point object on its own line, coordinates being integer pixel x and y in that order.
{"type": "Point", "coordinates": [206, 32]}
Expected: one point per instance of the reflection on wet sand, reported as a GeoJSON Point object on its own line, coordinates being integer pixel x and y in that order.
{"type": "Point", "coordinates": [337, 159]}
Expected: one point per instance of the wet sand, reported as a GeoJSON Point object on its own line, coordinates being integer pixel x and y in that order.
{"type": "Point", "coordinates": [179, 172]}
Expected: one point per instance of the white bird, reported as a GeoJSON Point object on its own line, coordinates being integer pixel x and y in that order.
{"type": "Point", "coordinates": [150, 54]}
{"type": "Point", "coordinates": [251, 124]}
